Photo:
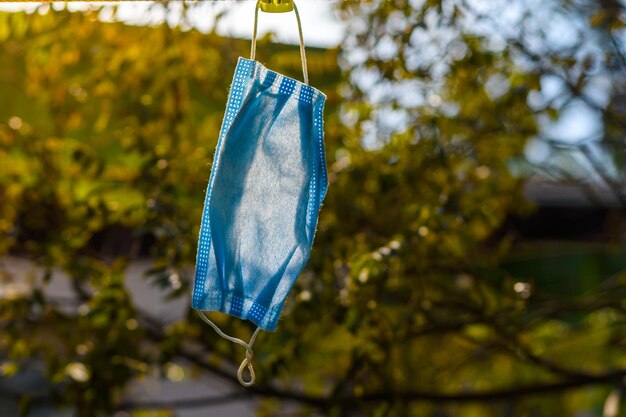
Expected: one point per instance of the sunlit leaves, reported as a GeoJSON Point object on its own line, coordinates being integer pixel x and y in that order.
{"type": "Point", "coordinates": [106, 136]}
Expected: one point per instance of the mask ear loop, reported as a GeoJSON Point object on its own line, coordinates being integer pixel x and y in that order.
{"type": "Point", "coordinates": [305, 71]}
{"type": "Point", "coordinates": [247, 362]}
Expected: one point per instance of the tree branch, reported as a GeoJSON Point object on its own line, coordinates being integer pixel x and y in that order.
{"type": "Point", "coordinates": [180, 404]}
{"type": "Point", "coordinates": [325, 402]}
{"type": "Point", "coordinates": [321, 402]}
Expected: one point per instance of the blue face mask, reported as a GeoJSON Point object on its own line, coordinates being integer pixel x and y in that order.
{"type": "Point", "coordinates": [267, 183]}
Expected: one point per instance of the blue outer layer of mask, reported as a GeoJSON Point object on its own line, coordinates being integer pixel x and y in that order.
{"type": "Point", "coordinates": [266, 187]}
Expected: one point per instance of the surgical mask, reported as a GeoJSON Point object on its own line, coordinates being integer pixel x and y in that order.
{"type": "Point", "coordinates": [261, 207]}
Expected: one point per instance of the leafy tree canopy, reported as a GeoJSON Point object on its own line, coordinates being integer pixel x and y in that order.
{"type": "Point", "coordinates": [406, 306]}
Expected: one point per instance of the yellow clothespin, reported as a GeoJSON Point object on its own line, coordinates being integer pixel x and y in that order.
{"type": "Point", "coordinates": [276, 6]}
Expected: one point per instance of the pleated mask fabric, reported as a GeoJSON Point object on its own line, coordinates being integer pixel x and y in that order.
{"type": "Point", "coordinates": [266, 187]}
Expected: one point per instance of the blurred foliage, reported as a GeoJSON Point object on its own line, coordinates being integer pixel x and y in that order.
{"type": "Point", "coordinates": [106, 136]}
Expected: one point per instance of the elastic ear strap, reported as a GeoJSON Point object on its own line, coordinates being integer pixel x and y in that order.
{"type": "Point", "coordinates": [305, 71]}
{"type": "Point", "coordinates": [247, 362]}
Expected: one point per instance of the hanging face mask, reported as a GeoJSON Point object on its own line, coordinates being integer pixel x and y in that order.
{"type": "Point", "coordinates": [267, 183]}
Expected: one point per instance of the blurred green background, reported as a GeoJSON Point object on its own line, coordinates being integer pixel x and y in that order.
{"type": "Point", "coordinates": [469, 259]}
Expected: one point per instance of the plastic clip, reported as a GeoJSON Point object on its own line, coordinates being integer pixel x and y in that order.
{"type": "Point", "coordinates": [276, 6]}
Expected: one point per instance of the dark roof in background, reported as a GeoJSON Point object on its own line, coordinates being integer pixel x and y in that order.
{"type": "Point", "coordinates": [554, 194]}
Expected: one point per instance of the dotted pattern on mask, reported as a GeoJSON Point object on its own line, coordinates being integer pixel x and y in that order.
{"type": "Point", "coordinates": [257, 313]}
{"type": "Point", "coordinates": [236, 306]}
{"type": "Point", "coordinates": [235, 98]}
{"type": "Point", "coordinates": [319, 177]}
{"type": "Point", "coordinates": [306, 94]}
{"type": "Point", "coordinates": [281, 84]}
{"type": "Point", "coordinates": [287, 85]}
{"type": "Point", "coordinates": [318, 126]}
